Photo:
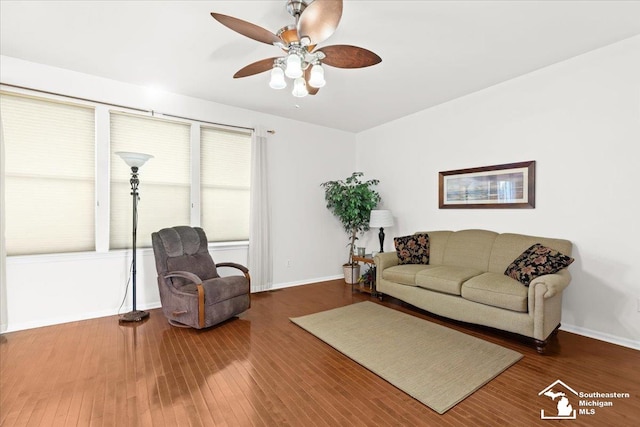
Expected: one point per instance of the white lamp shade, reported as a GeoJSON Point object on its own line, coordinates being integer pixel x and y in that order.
{"type": "Point", "coordinates": [277, 78]}
{"type": "Point", "coordinates": [380, 218]}
{"type": "Point", "coordinates": [134, 160]}
{"type": "Point", "coordinates": [294, 66]}
{"type": "Point", "coordinates": [299, 88]}
{"type": "Point", "coordinates": [317, 76]}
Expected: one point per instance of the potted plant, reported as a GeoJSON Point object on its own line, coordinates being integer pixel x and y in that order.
{"type": "Point", "coordinates": [352, 200]}
{"type": "Point", "coordinates": [367, 278]}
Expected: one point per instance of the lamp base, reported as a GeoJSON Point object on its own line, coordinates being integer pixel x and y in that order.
{"type": "Point", "coordinates": [381, 238]}
{"type": "Point", "coordinates": [134, 316]}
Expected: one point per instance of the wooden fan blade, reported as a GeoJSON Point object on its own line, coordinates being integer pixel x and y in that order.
{"type": "Point", "coordinates": [346, 56]}
{"type": "Point", "coordinates": [319, 20]}
{"type": "Point", "coordinates": [307, 75]}
{"type": "Point", "coordinates": [255, 68]}
{"type": "Point", "coordinates": [247, 28]}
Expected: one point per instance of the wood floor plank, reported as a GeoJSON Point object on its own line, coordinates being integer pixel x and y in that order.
{"type": "Point", "coordinates": [260, 369]}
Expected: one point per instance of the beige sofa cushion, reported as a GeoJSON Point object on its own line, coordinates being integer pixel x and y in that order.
{"type": "Point", "coordinates": [404, 274]}
{"type": "Point", "coordinates": [470, 248]}
{"type": "Point", "coordinates": [445, 278]}
{"type": "Point", "coordinates": [497, 290]}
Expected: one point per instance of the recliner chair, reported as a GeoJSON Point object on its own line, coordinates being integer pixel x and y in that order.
{"type": "Point", "coordinates": [191, 291]}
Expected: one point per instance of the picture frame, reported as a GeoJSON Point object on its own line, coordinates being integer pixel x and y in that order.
{"type": "Point", "coordinates": [507, 186]}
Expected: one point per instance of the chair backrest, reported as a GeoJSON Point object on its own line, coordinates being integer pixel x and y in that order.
{"type": "Point", "coordinates": [183, 248]}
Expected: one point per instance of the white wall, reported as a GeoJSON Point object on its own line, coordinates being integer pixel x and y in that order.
{"type": "Point", "coordinates": [43, 290]}
{"type": "Point", "coordinates": [580, 121]}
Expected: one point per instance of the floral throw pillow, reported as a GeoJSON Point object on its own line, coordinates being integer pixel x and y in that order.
{"type": "Point", "coordinates": [536, 261]}
{"type": "Point", "coordinates": [413, 249]}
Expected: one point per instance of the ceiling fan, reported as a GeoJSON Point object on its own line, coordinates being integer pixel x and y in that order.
{"type": "Point", "coordinates": [315, 21]}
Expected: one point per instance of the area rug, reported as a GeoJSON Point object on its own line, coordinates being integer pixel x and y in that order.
{"type": "Point", "coordinates": [436, 365]}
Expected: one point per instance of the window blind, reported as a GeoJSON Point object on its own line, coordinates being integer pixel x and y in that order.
{"type": "Point", "coordinates": [164, 180]}
{"type": "Point", "coordinates": [49, 180]}
{"type": "Point", "coordinates": [225, 183]}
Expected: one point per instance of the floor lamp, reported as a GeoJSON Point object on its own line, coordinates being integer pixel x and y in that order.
{"type": "Point", "coordinates": [135, 161]}
{"type": "Point", "coordinates": [381, 218]}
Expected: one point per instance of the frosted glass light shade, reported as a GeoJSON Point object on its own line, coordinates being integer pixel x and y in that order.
{"type": "Point", "coordinates": [299, 88]}
{"type": "Point", "coordinates": [380, 218]}
{"type": "Point", "coordinates": [277, 78]}
{"type": "Point", "coordinates": [294, 66]}
{"type": "Point", "coordinates": [134, 160]}
{"type": "Point", "coordinates": [317, 76]}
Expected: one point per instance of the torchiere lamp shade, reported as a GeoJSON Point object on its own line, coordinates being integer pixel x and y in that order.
{"type": "Point", "coordinates": [134, 160]}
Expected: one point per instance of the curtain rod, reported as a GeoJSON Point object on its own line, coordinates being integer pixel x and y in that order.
{"type": "Point", "coordinates": [152, 112]}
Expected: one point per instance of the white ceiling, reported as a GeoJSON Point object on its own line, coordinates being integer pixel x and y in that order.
{"type": "Point", "coordinates": [432, 51]}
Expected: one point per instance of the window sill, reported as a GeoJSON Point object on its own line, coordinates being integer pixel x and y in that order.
{"type": "Point", "coordinates": [116, 253]}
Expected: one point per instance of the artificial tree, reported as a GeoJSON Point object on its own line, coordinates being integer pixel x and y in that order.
{"type": "Point", "coordinates": [352, 200]}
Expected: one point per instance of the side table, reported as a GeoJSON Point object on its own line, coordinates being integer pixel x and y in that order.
{"type": "Point", "coordinates": [369, 289]}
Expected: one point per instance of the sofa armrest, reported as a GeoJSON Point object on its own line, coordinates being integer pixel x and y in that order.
{"type": "Point", "coordinates": [554, 283]}
{"type": "Point", "coordinates": [385, 260]}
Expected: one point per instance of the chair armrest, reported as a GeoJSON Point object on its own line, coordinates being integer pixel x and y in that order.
{"type": "Point", "coordinates": [233, 265]}
{"type": "Point", "coordinates": [185, 275]}
{"type": "Point", "coordinates": [554, 283]}
{"type": "Point", "coordinates": [242, 268]}
{"type": "Point", "coordinates": [198, 282]}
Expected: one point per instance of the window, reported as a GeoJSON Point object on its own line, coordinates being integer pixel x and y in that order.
{"type": "Point", "coordinates": [225, 176]}
{"type": "Point", "coordinates": [50, 169]}
{"type": "Point", "coordinates": [164, 180]}
{"type": "Point", "coordinates": [60, 163]}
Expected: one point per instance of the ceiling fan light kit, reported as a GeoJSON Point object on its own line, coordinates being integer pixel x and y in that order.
{"type": "Point", "coordinates": [317, 76]}
{"type": "Point", "coordinates": [299, 88]}
{"type": "Point", "coordinates": [294, 65]}
{"type": "Point", "coordinates": [277, 78]}
{"type": "Point", "coordinates": [316, 20]}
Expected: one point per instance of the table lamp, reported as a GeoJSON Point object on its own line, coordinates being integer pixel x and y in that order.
{"type": "Point", "coordinates": [381, 218]}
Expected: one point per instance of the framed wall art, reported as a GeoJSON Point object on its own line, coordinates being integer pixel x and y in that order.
{"type": "Point", "coordinates": [508, 186]}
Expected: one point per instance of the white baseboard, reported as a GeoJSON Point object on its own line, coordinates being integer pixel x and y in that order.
{"type": "Point", "coordinates": [613, 339]}
{"type": "Point", "coordinates": [302, 282]}
{"type": "Point", "coordinates": [73, 318]}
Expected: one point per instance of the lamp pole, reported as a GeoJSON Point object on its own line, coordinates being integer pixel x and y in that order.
{"type": "Point", "coordinates": [134, 192]}
{"type": "Point", "coordinates": [134, 315]}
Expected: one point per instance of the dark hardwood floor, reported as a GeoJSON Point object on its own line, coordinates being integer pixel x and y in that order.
{"type": "Point", "coordinates": [261, 369]}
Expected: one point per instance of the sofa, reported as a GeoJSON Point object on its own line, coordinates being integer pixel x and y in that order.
{"type": "Point", "coordinates": [462, 277]}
